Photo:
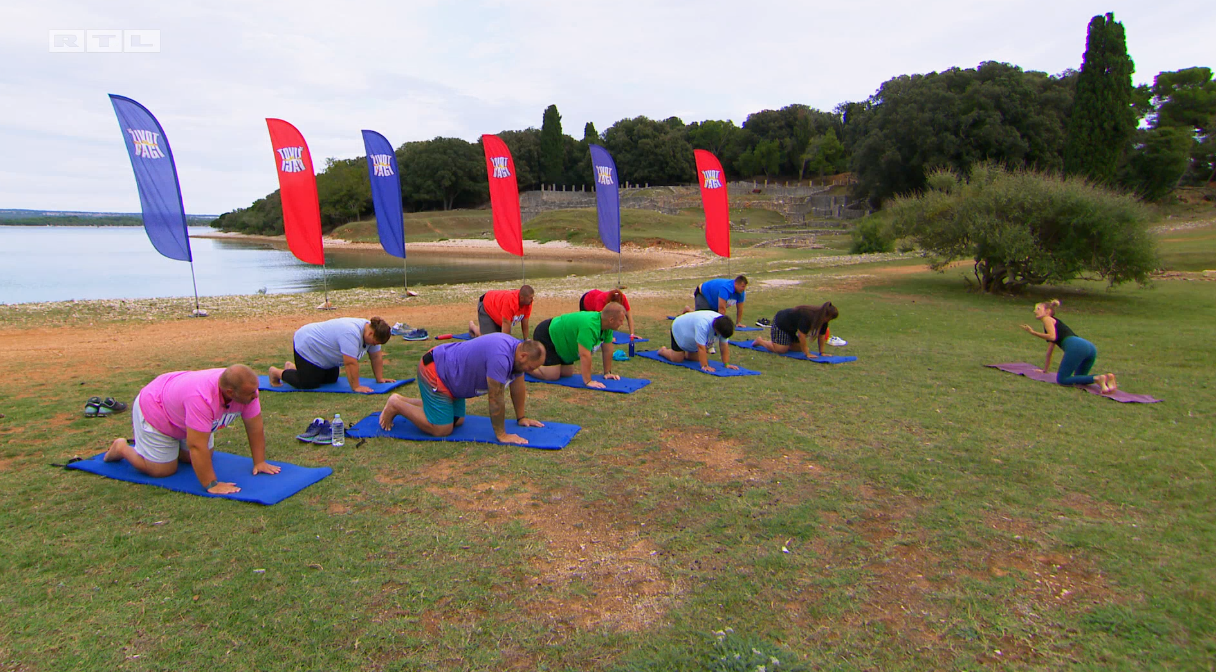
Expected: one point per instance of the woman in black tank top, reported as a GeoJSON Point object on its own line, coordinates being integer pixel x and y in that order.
{"type": "Point", "coordinates": [1079, 354]}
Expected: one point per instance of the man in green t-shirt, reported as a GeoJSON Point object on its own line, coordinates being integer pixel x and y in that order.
{"type": "Point", "coordinates": [572, 337]}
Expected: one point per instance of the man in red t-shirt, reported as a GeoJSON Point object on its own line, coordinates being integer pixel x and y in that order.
{"type": "Point", "coordinates": [498, 310]}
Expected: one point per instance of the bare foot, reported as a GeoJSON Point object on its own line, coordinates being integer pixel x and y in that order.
{"type": "Point", "coordinates": [114, 452]}
{"type": "Point", "coordinates": [386, 417]}
{"type": "Point", "coordinates": [474, 330]}
{"type": "Point", "coordinates": [275, 375]}
{"type": "Point", "coordinates": [1111, 383]}
{"type": "Point", "coordinates": [687, 309]}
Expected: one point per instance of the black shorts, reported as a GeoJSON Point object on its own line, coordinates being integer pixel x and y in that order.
{"type": "Point", "coordinates": [541, 333]}
{"type": "Point", "coordinates": [700, 302]}
{"type": "Point", "coordinates": [309, 376]}
{"type": "Point", "coordinates": [582, 301]}
{"type": "Point", "coordinates": [675, 346]}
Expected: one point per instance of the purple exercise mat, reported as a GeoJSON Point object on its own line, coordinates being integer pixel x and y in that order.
{"type": "Point", "coordinates": [1033, 372]}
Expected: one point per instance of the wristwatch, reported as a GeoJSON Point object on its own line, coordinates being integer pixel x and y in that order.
{"type": "Point", "coordinates": [214, 482]}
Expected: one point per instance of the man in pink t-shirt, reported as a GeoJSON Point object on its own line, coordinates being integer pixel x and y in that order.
{"type": "Point", "coordinates": [176, 415]}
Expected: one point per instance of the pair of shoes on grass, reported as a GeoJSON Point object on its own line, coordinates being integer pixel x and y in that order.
{"type": "Point", "coordinates": [400, 328]}
{"type": "Point", "coordinates": [320, 431]}
{"type": "Point", "coordinates": [764, 322]}
{"type": "Point", "coordinates": [96, 407]}
{"type": "Point", "coordinates": [837, 341]}
{"type": "Point", "coordinates": [415, 335]}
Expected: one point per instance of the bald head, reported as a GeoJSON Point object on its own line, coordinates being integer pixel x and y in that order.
{"type": "Point", "coordinates": [239, 383]}
{"type": "Point", "coordinates": [612, 316]}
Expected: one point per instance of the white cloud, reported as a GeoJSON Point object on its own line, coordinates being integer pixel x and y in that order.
{"type": "Point", "coordinates": [413, 70]}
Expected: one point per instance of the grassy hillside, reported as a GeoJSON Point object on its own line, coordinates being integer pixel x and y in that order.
{"type": "Point", "coordinates": [577, 226]}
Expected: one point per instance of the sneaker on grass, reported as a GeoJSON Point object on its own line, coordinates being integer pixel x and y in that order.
{"type": "Point", "coordinates": [314, 428]}
{"type": "Point", "coordinates": [325, 436]}
{"type": "Point", "coordinates": [837, 341]}
{"type": "Point", "coordinates": [416, 335]}
{"type": "Point", "coordinates": [764, 322]}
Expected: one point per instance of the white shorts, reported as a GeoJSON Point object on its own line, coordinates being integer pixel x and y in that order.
{"type": "Point", "coordinates": [153, 446]}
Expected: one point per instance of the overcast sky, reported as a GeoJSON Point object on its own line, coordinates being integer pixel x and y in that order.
{"type": "Point", "coordinates": [416, 69]}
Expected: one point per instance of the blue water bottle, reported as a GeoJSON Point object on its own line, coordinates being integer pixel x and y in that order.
{"type": "Point", "coordinates": [339, 429]}
{"type": "Point", "coordinates": [630, 346]}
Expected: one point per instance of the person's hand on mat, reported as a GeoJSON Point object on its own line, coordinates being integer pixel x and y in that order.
{"type": "Point", "coordinates": [707, 369]}
{"type": "Point", "coordinates": [732, 367]}
{"type": "Point", "coordinates": [529, 422]}
{"type": "Point", "coordinates": [387, 380]}
{"type": "Point", "coordinates": [364, 389]}
{"type": "Point", "coordinates": [612, 376]}
{"type": "Point", "coordinates": [596, 384]}
{"type": "Point", "coordinates": [223, 489]}
{"type": "Point", "coordinates": [266, 468]}
{"type": "Point", "coordinates": [513, 438]}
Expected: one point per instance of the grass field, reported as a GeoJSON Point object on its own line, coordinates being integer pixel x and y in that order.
{"type": "Point", "coordinates": [912, 510]}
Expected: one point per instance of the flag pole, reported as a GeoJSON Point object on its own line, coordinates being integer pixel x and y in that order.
{"type": "Point", "coordinates": [325, 284]}
{"type": "Point", "coordinates": [405, 267]}
{"type": "Point", "coordinates": [197, 311]}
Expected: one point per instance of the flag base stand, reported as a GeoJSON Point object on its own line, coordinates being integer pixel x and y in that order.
{"type": "Point", "coordinates": [326, 306]}
{"type": "Point", "coordinates": [198, 312]}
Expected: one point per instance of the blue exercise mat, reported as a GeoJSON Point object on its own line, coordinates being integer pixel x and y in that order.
{"type": "Point", "coordinates": [476, 428]}
{"type": "Point", "coordinates": [718, 367]}
{"type": "Point", "coordinates": [458, 337]}
{"type": "Point", "coordinates": [261, 489]}
{"type": "Point", "coordinates": [794, 354]}
{"type": "Point", "coordinates": [340, 387]}
{"type": "Point", "coordinates": [622, 386]}
{"type": "Point", "coordinates": [737, 327]}
{"type": "Point", "coordinates": [622, 338]}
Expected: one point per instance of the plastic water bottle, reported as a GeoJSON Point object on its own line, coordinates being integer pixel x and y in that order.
{"type": "Point", "coordinates": [339, 439]}
{"type": "Point", "coordinates": [630, 346]}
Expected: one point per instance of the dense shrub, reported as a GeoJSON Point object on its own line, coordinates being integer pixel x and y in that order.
{"type": "Point", "coordinates": [872, 234]}
{"type": "Point", "coordinates": [1027, 228]}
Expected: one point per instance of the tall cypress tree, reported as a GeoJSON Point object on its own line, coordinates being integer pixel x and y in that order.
{"type": "Point", "coordinates": [590, 137]}
{"type": "Point", "coordinates": [1102, 119]}
{"type": "Point", "coordinates": [552, 152]}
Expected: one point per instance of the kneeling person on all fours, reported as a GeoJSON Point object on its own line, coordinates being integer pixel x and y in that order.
{"type": "Point", "coordinates": [596, 300]}
{"type": "Point", "coordinates": [719, 294]}
{"type": "Point", "coordinates": [573, 337]}
{"type": "Point", "coordinates": [499, 310]}
{"type": "Point", "coordinates": [175, 418]}
{"type": "Point", "coordinates": [692, 334]}
{"type": "Point", "coordinates": [796, 326]}
{"type": "Point", "coordinates": [1079, 354]}
{"type": "Point", "coordinates": [450, 373]}
{"type": "Point", "coordinates": [323, 348]}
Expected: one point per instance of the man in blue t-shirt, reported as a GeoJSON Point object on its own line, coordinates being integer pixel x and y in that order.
{"type": "Point", "coordinates": [450, 373]}
{"type": "Point", "coordinates": [692, 335]}
{"type": "Point", "coordinates": [719, 294]}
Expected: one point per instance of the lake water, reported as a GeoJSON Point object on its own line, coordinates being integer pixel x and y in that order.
{"type": "Point", "coordinates": [57, 263]}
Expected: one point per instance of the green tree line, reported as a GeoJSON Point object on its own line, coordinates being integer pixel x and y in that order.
{"type": "Point", "coordinates": [1090, 122]}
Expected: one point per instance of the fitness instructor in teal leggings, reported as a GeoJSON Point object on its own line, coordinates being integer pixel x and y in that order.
{"type": "Point", "coordinates": [1079, 354]}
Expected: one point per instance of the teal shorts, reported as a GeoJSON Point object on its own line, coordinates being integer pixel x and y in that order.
{"type": "Point", "coordinates": [440, 409]}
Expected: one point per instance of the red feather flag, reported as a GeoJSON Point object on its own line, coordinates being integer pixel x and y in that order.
{"type": "Point", "coordinates": [298, 191]}
{"type": "Point", "coordinates": [504, 195]}
{"type": "Point", "coordinates": [714, 202]}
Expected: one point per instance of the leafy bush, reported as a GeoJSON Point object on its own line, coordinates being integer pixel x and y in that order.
{"type": "Point", "coordinates": [1027, 228]}
{"type": "Point", "coordinates": [872, 235]}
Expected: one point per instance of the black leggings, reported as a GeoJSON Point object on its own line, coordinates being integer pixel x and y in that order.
{"type": "Point", "coordinates": [309, 376]}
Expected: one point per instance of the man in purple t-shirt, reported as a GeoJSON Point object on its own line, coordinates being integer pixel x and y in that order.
{"type": "Point", "coordinates": [175, 417]}
{"type": "Point", "coordinates": [450, 373]}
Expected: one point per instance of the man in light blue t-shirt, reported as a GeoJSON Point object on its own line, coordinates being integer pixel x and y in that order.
{"type": "Point", "coordinates": [693, 333]}
{"type": "Point", "coordinates": [720, 294]}
{"type": "Point", "coordinates": [322, 349]}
